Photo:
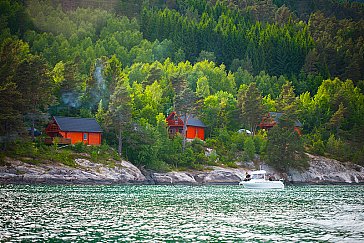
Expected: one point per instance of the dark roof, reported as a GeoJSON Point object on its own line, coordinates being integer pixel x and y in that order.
{"type": "Point", "coordinates": [277, 115]}
{"type": "Point", "coordinates": [194, 121]}
{"type": "Point", "coordinates": [73, 124]}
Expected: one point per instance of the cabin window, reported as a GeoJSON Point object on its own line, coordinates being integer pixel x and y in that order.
{"type": "Point", "coordinates": [85, 136]}
{"type": "Point", "coordinates": [258, 176]}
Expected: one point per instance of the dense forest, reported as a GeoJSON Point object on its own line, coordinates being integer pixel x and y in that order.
{"type": "Point", "coordinates": [131, 63]}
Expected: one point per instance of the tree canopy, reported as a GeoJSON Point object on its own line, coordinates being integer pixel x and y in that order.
{"type": "Point", "coordinates": [131, 63]}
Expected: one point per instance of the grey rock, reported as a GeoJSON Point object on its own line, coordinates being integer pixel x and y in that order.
{"type": "Point", "coordinates": [87, 173]}
{"type": "Point", "coordinates": [219, 175]}
{"type": "Point", "coordinates": [322, 170]}
{"type": "Point", "coordinates": [325, 170]}
{"type": "Point", "coordinates": [173, 178]}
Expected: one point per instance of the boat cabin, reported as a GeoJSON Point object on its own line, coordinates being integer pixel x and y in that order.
{"type": "Point", "coordinates": [195, 127]}
{"type": "Point", "coordinates": [71, 130]}
{"type": "Point", "coordinates": [258, 175]}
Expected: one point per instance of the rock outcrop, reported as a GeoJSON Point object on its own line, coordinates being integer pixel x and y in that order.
{"type": "Point", "coordinates": [325, 170]}
{"type": "Point", "coordinates": [321, 171]}
{"type": "Point", "coordinates": [215, 175]}
{"type": "Point", "coordinates": [86, 173]}
{"type": "Point", "coordinates": [173, 178]}
{"type": "Point", "coordinates": [219, 175]}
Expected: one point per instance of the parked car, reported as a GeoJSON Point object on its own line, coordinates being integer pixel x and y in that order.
{"type": "Point", "coordinates": [36, 132]}
{"type": "Point", "coordinates": [246, 131]}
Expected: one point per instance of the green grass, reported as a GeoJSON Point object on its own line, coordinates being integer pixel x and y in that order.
{"type": "Point", "coordinates": [37, 153]}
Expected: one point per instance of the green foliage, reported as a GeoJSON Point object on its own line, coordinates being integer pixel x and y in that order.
{"type": "Point", "coordinates": [249, 148]}
{"type": "Point", "coordinates": [251, 107]}
{"type": "Point", "coordinates": [260, 142]}
{"type": "Point", "coordinates": [358, 156]}
{"type": "Point", "coordinates": [338, 149]}
{"type": "Point", "coordinates": [118, 117]}
{"type": "Point", "coordinates": [98, 64]}
{"type": "Point", "coordinates": [37, 153]}
{"type": "Point", "coordinates": [285, 149]}
{"type": "Point", "coordinates": [79, 147]}
{"type": "Point", "coordinates": [230, 35]}
{"type": "Point", "coordinates": [317, 145]}
{"type": "Point", "coordinates": [30, 152]}
{"type": "Point", "coordinates": [219, 111]}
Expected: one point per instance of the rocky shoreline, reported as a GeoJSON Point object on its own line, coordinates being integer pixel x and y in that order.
{"type": "Point", "coordinates": [321, 171]}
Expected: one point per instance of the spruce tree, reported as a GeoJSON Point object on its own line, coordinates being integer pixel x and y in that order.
{"type": "Point", "coordinates": [285, 148]}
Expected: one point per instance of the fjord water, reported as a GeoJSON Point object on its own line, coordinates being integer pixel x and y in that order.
{"type": "Point", "coordinates": [181, 213]}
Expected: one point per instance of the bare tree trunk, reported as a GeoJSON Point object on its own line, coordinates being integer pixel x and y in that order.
{"type": "Point", "coordinates": [120, 145]}
{"type": "Point", "coordinates": [32, 128]}
{"type": "Point", "coordinates": [7, 135]}
{"type": "Point", "coordinates": [184, 131]}
{"type": "Point", "coordinates": [253, 129]}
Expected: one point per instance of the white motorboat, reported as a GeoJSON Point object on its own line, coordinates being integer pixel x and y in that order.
{"type": "Point", "coordinates": [258, 181]}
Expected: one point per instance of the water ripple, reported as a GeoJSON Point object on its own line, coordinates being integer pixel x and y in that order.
{"type": "Point", "coordinates": [181, 213]}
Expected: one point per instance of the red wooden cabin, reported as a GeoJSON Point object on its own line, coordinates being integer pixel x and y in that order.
{"type": "Point", "coordinates": [272, 119]}
{"type": "Point", "coordinates": [195, 127]}
{"type": "Point", "coordinates": [71, 130]}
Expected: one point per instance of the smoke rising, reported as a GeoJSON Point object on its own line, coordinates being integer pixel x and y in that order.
{"type": "Point", "coordinates": [71, 99]}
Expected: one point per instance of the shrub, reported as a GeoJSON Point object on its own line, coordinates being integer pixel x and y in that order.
{"type": "Point", "coordinates": [159, 165]}
{"type": "Point", "coordinates": [211, 142]}
{"type": "Point", "coordinates": [79, 147]}
{"type": "Point", "coordinates": [212, 158]}
{"type": "Point", "coordinates": [238, 139]}
{"type": "Point", "coordinates": [338, 149]}
{"type": "Point", "coordinates": [358, 157]}
{"type": "Point", "coordinates": [231, 164]}
{"type": "Point", "coordinates": [318, 147]}
{"type": "Point", "coordinates": [249, 148]}
{"type": "Point", "coordinates": [260, 142]}
{"type": "Point", "coordinates": [198, 143]}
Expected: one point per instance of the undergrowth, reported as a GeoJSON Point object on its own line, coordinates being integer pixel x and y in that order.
{"type": "Point", "coordinates": [37, 153]}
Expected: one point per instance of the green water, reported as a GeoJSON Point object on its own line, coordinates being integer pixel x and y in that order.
{"type": "Point", "coordinates": [181, 213]}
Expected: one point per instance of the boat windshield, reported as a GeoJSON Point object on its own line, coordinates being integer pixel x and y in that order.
{"type": "Point", "coordinates": [258, 176]}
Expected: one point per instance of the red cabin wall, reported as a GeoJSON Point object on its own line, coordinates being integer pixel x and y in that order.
{"type": "Point", "coordinates": [171, 121]}
{"type": "Point", "coordinates": [195, 132]}
{"type": "Point", "coordinates": [92, 138]}
{"type": "Point", "coordinates": [75, 137]}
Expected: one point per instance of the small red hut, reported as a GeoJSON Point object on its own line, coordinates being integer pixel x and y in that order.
{"type": "Point", "coordinates": [272, 119]}
{"type": "Point", "coordinates": [71, 130]}
{"type": "Point", "coordinates": [195, 127]}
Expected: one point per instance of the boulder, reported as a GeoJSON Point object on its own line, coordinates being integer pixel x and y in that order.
{"type": "Point", "coordinates": [219, 175]}
{"type": "Point", "coordinates": [169, 178]}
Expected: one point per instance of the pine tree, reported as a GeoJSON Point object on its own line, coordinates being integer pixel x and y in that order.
{"type": "Point", "coordinates": [288, 105]}
{"type": "Point", "coordinates": [185, 103]}
{"type": "Point", "coordinates": [285, 149]}
{"type": "Point", "coordinates": [337, 118]}
{"type": "Point", "coordinates": [251, 107]}
{"type": "Point", "coordinates": [36, 87]}
{"type": "Point", "coordinates": [118, 116]}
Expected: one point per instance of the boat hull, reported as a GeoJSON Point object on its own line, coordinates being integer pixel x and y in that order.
{"type": "Point", "coordinates": [262, 184]}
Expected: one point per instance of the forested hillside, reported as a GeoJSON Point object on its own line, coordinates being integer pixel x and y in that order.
{"type": "Point", "coordinates": [131, 63]}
